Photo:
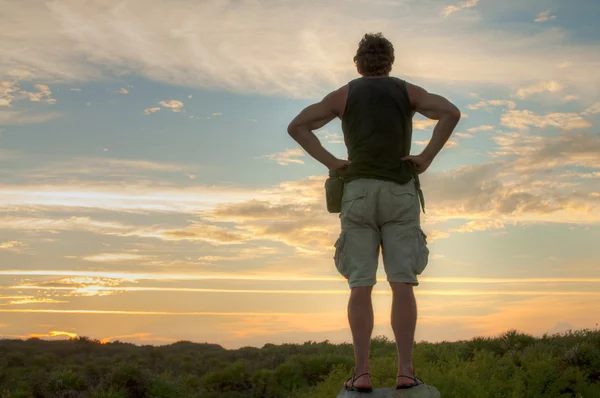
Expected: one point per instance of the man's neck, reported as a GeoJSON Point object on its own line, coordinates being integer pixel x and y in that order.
{"type": "Point", "coordinates": [376, 77]}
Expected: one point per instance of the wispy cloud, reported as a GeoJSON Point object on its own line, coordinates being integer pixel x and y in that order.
{"type": "Point", "coordinates": [137, 197]}
{"type": "Point", "coordinates": [174, 105]}
{"type": "Point", "coordinates": [79, 285]}
{"type": "Point", "coordinates": [195, 232]}
{"type": "Point", "coordinates": [42, 94]}
{"type": "Point", "coordinates": [545, 16]}
{"type": "Point", "coordinates": [287, 157]}
{"type": "Point", "coordinates": [138, 337]}
{"type": "Point", "coordinates": [125, 312]}
{"type": "Point", "coordinates": [133, 37]}
{"type": "Point", "coordinates": [330, 137]}
{"type": "Point", "coordinates": [549, 86]}
{"type": "Point", "coordinates": [11, 245]}
{"type": "Point", "coordinates": [489, 104]}
{"type": "Point", "coordinates": [54, 333]}
{"type": "Point", "coordinates": [108, 278]}
{"type": "Point", "coordinates": [149, 111]}
{"type": "Point", "coordinates": [481, 128]}
{"type": "Point", "coordinates": [423, 124]}
{"type": "Point", "coordinates": [34, 300]}
{"type": "Point", "coordinates": [462, 5]}
{"type": "Point", "coordinates": [21, 117]}
{"type": "Point", "coordinates": [115, 257]}
{"type": "Point", "coordinates": [525, 119]}
{"type": "Point", "coordinates": [447, 292]}
{"type": "Point", "coordinates": [11, 91]}
{"type": "Point", "coordinates": [593, 109]}
{"type": "Point", "coordinates": [568, 98]}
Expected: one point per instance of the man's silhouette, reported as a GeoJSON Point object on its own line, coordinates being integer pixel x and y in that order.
{"type": "Point", "coordinates": [380, 203]}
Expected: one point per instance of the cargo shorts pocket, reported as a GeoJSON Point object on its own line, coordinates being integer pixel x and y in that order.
{"type": "Point", "coordinates": [353, 202]}
{"type": "Point", "coordinates": [338, 256]}
{"type": "Point", "coordinates": [422, 251]}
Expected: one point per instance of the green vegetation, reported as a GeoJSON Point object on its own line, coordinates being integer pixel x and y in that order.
{"type": "Point", "coordinates": [510, 365]}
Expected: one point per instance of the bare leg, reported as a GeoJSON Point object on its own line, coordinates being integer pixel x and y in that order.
{"type": "Point", "coordinates": [404, 321]}
{"type": "Point", "coordinates": [360, 317]}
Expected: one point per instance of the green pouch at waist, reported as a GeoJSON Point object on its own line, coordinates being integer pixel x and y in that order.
{"type": "Point", "coordinates": [334, 190]}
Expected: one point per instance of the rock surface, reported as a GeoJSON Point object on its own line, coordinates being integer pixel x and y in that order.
{"type": "Point", "coordinates": [422, 391]}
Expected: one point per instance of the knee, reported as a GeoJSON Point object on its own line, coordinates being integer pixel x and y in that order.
{"type": "Point", "coordinates": [361, 291]}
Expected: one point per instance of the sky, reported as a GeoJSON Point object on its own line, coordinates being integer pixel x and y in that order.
{"type": "Point", "coordinates": [150, 193]}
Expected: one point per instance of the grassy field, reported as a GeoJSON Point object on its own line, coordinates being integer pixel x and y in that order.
{"type": "Point", "coordinates": [510, 365]}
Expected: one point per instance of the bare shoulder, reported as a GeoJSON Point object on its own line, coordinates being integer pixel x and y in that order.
{"type": "Point", "coordinates": [337, 99]}
{"type": "Point", "coordinates": [415, 93]}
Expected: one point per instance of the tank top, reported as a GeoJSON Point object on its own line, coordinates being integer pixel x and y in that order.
{"type": "Point", "coordinates": [377, 128]}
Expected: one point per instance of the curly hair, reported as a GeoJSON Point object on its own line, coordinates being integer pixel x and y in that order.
{"type": "Point", "coordinates": [375, 55]}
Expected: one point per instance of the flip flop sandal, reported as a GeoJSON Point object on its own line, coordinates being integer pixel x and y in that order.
{"type": "Point", "coordinates": [353, 388]}
{"type": "Point", "coordinates": [416, 380]}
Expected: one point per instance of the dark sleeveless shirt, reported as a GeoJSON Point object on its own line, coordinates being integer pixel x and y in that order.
{"type": "Point", "coordinates": [377, 127]}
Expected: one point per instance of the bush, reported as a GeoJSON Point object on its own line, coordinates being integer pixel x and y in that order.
{"type": "Point", "coordinates": [510, 365]}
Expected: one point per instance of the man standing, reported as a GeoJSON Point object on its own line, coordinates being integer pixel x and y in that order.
{"type": "Point", "coordinates": [381, 196]}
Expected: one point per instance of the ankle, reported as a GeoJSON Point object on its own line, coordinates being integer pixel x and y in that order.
{"type": "Point", "coordinates": [358, 370]}
{"type": "Point", "coordinates": [406, 370]}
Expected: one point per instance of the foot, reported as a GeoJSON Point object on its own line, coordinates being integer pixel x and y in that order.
{"type": "Point", "coordinates": [362, 382]}
{"type": "Point", "coordinates": [406, 381]}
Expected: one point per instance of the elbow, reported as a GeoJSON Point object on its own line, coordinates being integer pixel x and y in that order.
{"type": "Point", "coordinates": [293, 130]}
{"type": "Point", "coordinates": [454, 114]}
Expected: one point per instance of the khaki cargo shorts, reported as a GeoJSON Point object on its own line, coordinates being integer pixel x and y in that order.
{"type": "Point", "coordinates": [380, 214]}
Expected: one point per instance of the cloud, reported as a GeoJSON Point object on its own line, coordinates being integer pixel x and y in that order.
{"type": "Point", "coordinates": [545, 16]}
{"type": "Point", "coordinates": [451, 143]}
{"type": "Point", "coordinates": [594, 109]}
{"type": "Point", "coordinates": [423, 124]}
{"type": "Point", "coordinates": [123, 91]}
{"type": "Point", "coordinates": [481, 225]}
{"type": "Point", "coordinates": [33, 300]}
{"type": "Point", "coordinates": [329, 137]}
{"type": "Point", "coordinates": [7, 90]}
{"type": "Point", "coordinates": [568, 98]}
{"type": "Point", "coordinates": [43, 94]}
{"type": "Point", "coordinates": [525, 119]}
{"type": "Point", "coordinates": [24, 117]}
{"type": "Point", "coordinates": [493, 103]}
{"type": "Point", "coordinates": [79, 285]}
{"type": "Point", "coordinates": [138, 197]}
{"type": "Point", "coordinates": [580, 149]}
{"type": "Point", "coordinates": [463, 135]}
{"type": "Point", "coordinates": [108, 168]}
{"type": "Point", "coordinates": [462, 5]}
{"type": "Point", "coordinates": [481, 128]}
{"type": "Point", "coordinates": [287, 157]}
{"type": "Point", "coordinates": [174, 105]}
{"type": "Point", "coordinates": [195, 232]}
{"type": "Point", "coordinates": [115, 279]}
{"type": "Point", "coordinates": [11, 245]}
{"type": "Point", "coordinates": [115, 257]}
{"type": "Point", "coordinates": [550, 86]}
{"type": "Point", "coordinates": [136, 337]}
{"type": "Point", "coordinates": [246, 253]}
{"type": "Point", "coordinates": [11, 91]}
{"type": "Point", "coordinates": [149, 111]}
{"type": "Point", "coordinates": [302, 52]}
{"type": "Point", "coordinates": [75, 89]}
{"type": "Point", "coordinates": [54, 333]}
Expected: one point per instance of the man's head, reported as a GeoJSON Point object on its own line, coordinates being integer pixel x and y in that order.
{"type": "Point", "coordinates": [375, 55]}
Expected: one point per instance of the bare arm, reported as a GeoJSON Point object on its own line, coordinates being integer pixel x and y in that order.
{"type": "Point", "coordinates": [437, 108]}
{"type": "Point", "coordinates": [312, 118]}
